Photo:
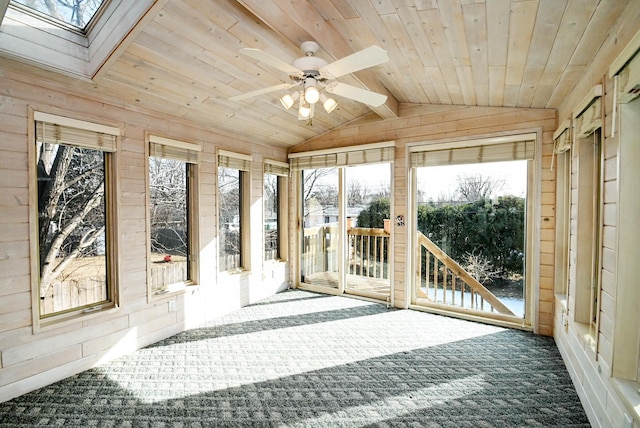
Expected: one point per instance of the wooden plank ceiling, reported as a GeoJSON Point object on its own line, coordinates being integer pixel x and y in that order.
{"type": "Point", "coordinates": [525, 53]}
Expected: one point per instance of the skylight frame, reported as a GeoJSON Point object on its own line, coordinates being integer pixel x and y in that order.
{"type": "Point", "coordinates": [59, 22]}
{"type": "Point", "coordinates": [63, 48]}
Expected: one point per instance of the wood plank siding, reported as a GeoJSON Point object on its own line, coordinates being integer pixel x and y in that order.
{"type": "Point", "coordinates": [458, 70]}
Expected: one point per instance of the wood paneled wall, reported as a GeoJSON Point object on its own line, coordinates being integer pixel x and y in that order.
{"type": "Point", "coordinates": [432, 123]}
{"type": "Point", "coordinates": [29, 359]}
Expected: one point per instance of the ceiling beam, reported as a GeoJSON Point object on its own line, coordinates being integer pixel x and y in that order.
{"type": "Point", "coordinates": [299, 21]}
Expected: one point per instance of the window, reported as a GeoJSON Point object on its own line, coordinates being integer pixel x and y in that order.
{"type": "Point", "coordinates": [77, 13]}
{"type": "Point", "coordinates": [472, 202]}
{"type": "Point", "coordinates": [562, 154]}
{"type": "Point", "coordinates": [324, 205]}
{"type": "Point", "coordinates": [624, 284]}
{"type": "Point", "coordinates": [172, 169]}
{"type": "Point", "coordinates": [275, 181]}
{"type": "Point", "coordinates": [233, 206]}
{"type": "Point", "coordinates": [588, 227]}
{"type": "Point", "coordinates": [587, 208]}
{"type": "Point", "coordinates": [83, 34]}
{"type": "Point", "coordinates": [74, 164]}
{"type": "Point", "coordinates": [626, 342]}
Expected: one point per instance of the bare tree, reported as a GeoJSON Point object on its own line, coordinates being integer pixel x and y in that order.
{"type": "Point", "coordinates": [229, 221]}
{"type": "Point", "coordinates": [315, 191]}
{"type": "Point", "coordinates": [168, 206]}
{"type": "Point", "coordinates": [356, 193]}
{"type": "Point", "coordinates": [476, 187]}
{"type": "Point", "coordinates": [310, 178]}
{"type": "Point", "coordinates": [76, 12]}
{"type": "Point", "coordinates": [71, 210]}
{"type": "Point", "coordinates": [480, 267]}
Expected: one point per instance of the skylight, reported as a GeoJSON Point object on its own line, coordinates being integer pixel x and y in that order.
{"type": "Point", "coordinates": [73, 12]}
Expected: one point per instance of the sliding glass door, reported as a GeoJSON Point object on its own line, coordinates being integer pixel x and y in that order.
{"type": "Point", "coordinates": [472, 226]}
{"type": "Point", "coordinates": [368, 193]}
{"type": "Point", "coordinates": [345, 200]}
{"type": "Point", "coordinates": [319, 264]}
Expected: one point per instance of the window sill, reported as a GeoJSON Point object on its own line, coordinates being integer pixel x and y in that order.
{"type": "Point", "coordinates": [630, 393]}
{"type": "Point", "coordinates": [563, 305]}
{"type": "Point", "coordinates": [561, 300]}
{"type": "Point", "coordinates": [234, 272]}
{"type": "Point", "coordinates": [170, 291]}
{"type": "Point", "coordinates": [49, 324]}
{"type": "Point", "coordinates": [585, 337]}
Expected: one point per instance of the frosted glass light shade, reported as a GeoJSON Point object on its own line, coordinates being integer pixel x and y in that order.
{"type": "Point", "coordinates": [311, 94]}
{"type": "Point", "coordinates": [329, 105]}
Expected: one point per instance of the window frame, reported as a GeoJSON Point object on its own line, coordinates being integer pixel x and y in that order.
{"type": "Point", "coordinates": [519, 146]}
{"type": "Point", "coordinates": [241, 163]}
{"type": "Point", "coordinates": [562, 155]}
{"type": "Point", "coordinates": [626, 341]}
{"type": "Point", "coordinates": [340, 159]}
{"type": "Point", "coordinates": [44, 16]}
{"type": "Point", "coordinates": [281, 171]}
{"type": "Point", "coordinates": [111, 191]}
{"type": "Point", "coordinates": [189, 154]}
{"type": "Point", "coordinates": [81, 52]}
{"type": "Point", "coordinates": [588, 168]}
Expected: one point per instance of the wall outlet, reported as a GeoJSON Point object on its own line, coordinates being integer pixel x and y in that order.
{"type": "Point", "coordinates": [172, 305]}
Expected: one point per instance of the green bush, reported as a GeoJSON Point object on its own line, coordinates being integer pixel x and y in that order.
{"type": "Point", "coordinates": [374, 215]}
{"type": "Point", "coordinates": [493, 229]}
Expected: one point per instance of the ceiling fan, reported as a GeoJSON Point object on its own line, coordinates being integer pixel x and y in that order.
{"type": "Point", "coordinates": [310, 74]}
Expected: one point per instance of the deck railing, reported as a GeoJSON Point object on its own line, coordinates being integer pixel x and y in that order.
{"type": "Point", "coordinates": [320, 249]}
{"type": "Point", "coordinates": [367, 251]}
{"type": "Point", "coordinates": [442, 280]}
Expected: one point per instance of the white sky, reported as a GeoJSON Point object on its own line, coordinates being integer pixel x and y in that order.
{"type": "Point", "coordinates": [434, 181]}
{"type": "Point", "coordinates": [437, 180]}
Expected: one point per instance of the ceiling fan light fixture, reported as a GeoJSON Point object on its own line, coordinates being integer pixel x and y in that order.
{"type": "Point", "coordinates": [288, 100]}
{"type": "Point", "coordinates": [329, 104]}
{"type": "Point", "coordinates": [311, 93]}
{"type": "Point", "coordinates": [311, 73]}
{"type": "Point", "coordinates": [304, 111]}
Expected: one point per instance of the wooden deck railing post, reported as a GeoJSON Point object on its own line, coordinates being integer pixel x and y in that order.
{"type": "Point", "coordinates": [457, 272]}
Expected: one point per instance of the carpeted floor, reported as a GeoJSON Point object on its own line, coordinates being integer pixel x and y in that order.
{"type": "Point", "coordinates": [301, 359]}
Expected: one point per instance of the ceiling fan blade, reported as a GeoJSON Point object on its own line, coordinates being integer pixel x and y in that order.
{"type": "Point", "coordinates": [371, 98]}
{"type": "Point", "coordinates": [360, 60]}
{"type": "Point", "coordinates": [271, 60]}
{"type": "Point", "coordinates": [262, 91]}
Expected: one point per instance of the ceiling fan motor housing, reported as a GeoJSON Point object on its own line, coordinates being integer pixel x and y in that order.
{"type": "Point", "coordinates": [309, 66]}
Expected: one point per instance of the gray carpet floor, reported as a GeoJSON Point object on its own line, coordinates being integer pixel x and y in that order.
{"type": "Point", "coordinates": [300, 359]}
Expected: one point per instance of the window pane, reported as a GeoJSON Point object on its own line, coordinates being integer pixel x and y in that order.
{"type": "Point", "coordinates": [230, 224]}
{"type": "Point", "coordinates": [169, 226]}
{"type": "Point", "coordinates": [72, 227]}
{"type": "Point", "coordinates": [77, 13]}
{"type": "Point", "coordinates": [271, 218]}
{"type": "Point", "coordinates": [476, 215]}
{"type": "Point", "coordinates": [319, 262]}
{"type": "Point", "coordinates": [368, 188]}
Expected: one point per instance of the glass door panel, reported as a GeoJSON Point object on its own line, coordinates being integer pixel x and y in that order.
{"type": "Point", "coordinates": [319, 262]}
{"type": "Point", "coordinates": [471, 228]}
{"type": "Point", "coordinates": [368, 210]}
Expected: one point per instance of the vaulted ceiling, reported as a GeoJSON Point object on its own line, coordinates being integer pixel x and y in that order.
{"type": "Point", "coordinates": [183, 59]}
